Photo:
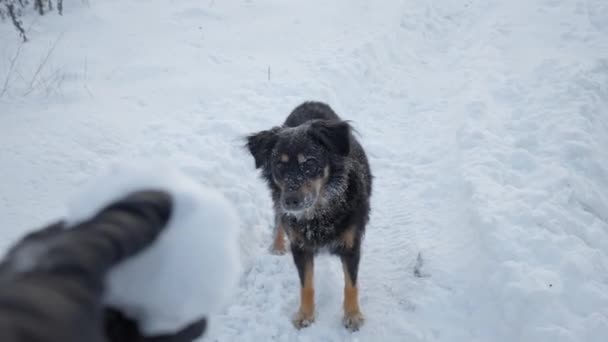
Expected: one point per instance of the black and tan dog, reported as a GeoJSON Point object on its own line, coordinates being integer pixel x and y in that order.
{"type": "Point", "coordinates": [320, 181]}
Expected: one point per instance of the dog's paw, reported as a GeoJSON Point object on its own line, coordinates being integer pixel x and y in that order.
{"type": "Point", "coordinates": [278, 249]}
{"type": "Point", "coordinates": [279, 245]}
{"type": "Point", "coordinates": [303, 319]}
{"type": "Point", "coordinates": [353, 321]}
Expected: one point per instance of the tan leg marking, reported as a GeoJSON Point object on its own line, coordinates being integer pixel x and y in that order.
{"type": "Point", "coordinates": [353, 318]}
{"type": "Point", "coordinates": [306, 313]}
{"type": "Point", "coordinates": [278, 244]}
{"type": "Point", "coordinates": [348, 238]}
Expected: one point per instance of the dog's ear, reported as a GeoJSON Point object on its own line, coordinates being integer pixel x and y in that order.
{"type": "Point", "coordinates": [260, 145]}
{"type": "Point", "coordinates": [335, 135]}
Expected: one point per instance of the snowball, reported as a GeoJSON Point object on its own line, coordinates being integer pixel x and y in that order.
{"type": "Point", "coordinates": [193, 267]}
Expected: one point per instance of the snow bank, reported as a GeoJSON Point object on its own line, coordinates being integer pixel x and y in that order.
{"type": "Point", "coordinates": [536, 161]}
{"type": "Point", "coordinates": [193, 267]}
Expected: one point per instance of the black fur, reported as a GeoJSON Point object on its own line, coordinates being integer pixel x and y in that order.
{"type": "Point", "coordinates": [261, 145]}
{"type": "Point", "coordinates": [334, 135]}
{"type": "Point", "coordinates": [316, 148]}
{"type": "Point", "coordinates": [313, 129]}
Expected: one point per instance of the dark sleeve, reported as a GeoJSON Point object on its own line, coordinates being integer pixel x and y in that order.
{"type": "Point", "coordinates": [52, 281]}
{"type": "Point", "coordinates": [120, 328]}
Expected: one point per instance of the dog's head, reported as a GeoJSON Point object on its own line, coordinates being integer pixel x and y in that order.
{"type": "Point", "coordinates": [299, 160]}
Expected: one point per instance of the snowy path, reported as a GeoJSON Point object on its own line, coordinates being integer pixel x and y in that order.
{"type": "Point", "coordinates": [485, 123]}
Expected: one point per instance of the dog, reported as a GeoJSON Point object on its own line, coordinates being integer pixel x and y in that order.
{"type": "Point", "coordinates": [321, 183]}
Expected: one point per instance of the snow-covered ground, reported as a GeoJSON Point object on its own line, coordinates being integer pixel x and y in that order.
{"type": "Point", "coordinates": [486, 123]}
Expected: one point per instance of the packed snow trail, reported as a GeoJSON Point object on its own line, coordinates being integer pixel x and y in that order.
{"type": "Point", "coordinates": [485, 123]}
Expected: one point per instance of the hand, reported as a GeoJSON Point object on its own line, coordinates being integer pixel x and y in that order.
{"type": "Point", "coordinates": [52, 281]}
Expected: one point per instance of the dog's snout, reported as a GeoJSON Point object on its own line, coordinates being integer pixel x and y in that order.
{"type": "Point", "coordinates": [292, 201]}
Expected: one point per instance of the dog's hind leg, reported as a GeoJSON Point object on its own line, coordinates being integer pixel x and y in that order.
{"type": "Point", "coordinates": [278, 243]}
{"type": "Point", "coordinates": [304, 261]}
{"type": "Point", "coordinates": [353, 318]}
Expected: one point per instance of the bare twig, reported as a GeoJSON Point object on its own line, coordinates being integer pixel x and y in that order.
{"type": "Point", "coordinates": [43, 63]}
{"type": "Point", "coordinates": [14, 9]}
{"type": "Point", "coordinates": [56, 84]}
{"type": "Point", "coordinates": [51, 84]}
{"type": "Point", "coordinates": [39, 6]}
{"type": "Point", "coordinates": [86, 77]}
{"type": "Point", "coordinates": [20, 75]}
{"type": "Point", "coordinates": [11, 69]}
{"type": "Point", "coordinates": [16, 22]}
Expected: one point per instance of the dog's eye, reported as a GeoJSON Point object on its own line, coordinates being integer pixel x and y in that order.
{"type": "Point", "coordinates": [310, 166]}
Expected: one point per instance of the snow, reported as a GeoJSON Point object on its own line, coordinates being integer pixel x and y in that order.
{"type": "Point", "coordinates": [485, 123]}
{"type": "Point", "coordinates": [191, 270]}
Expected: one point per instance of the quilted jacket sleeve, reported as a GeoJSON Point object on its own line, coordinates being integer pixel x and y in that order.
{"type": "Point", "coordinates": [52, 281]}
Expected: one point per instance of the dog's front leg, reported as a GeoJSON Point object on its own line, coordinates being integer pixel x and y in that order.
{"type": "Point", "coordinates": [304, 261]}
{"type": "Point", "coordinates": [353, 318]}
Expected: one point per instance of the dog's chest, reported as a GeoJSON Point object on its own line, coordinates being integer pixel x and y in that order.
{"type": "Point", "coordinates": [313, 234]}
